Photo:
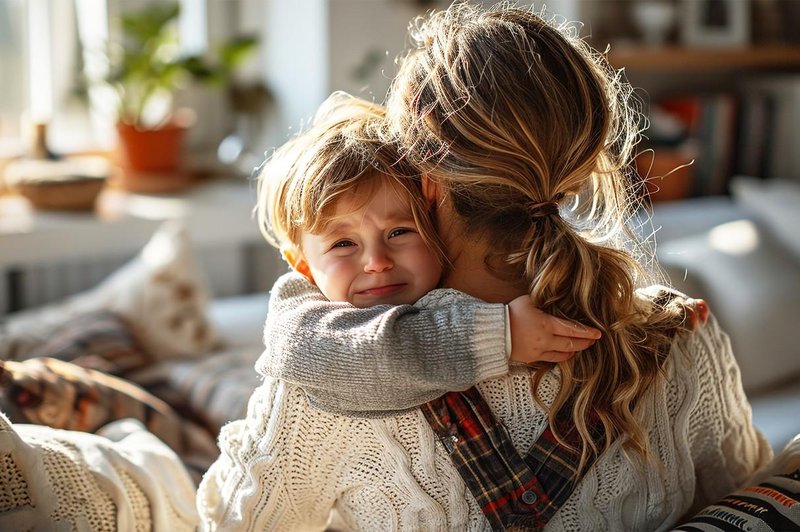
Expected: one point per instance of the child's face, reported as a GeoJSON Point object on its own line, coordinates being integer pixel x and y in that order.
{"type": "Point", "coordinates": [373, 255]}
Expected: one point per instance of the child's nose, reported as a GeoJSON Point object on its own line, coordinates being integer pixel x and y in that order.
{"type": "Point", "coordinates": [378, 260]}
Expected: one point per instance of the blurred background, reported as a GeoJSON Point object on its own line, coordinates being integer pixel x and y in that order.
{"type": "Point", "coordinates": [717, 77]}
{"type": "Point", "coordinates": [117, 115]}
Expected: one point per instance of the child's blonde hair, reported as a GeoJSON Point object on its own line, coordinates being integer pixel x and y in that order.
{"type": "Point", "coordinates": [530, 133]}
{"type": "Point", "coordinates": [344, 152]}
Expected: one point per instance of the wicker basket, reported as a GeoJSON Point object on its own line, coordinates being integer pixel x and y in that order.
{"type": "Point", "coordinates": [65, 195]}
{"type": "Point", "coordinates": [71, 184]}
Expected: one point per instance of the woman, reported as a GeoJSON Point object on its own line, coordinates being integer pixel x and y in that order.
{"type": "Point", "coordinates": [524, 137]}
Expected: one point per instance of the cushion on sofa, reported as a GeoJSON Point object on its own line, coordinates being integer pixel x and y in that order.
{"type": "Point", "coordinates": [161, 293]}
{"type": "Point", "coordinates": [65, 480]}
{"type": "Point", "coordinates": [213, 391]}
{"type": "Point", "coordinates": [58, 394]}
{"type": "Point", "coordinates": [239, 320]}
{"type": "Point", "coordinates": [776, 204]}
{"type": "Point", "coordinates": [96, 340]}
{"type": "Point", "coordinates": [47, 391]}
{"type": "Point", "coordinates": [752, 285]}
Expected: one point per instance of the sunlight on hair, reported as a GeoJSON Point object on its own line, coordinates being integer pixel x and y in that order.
{"type": "Point", "coordinates": [734, 238]}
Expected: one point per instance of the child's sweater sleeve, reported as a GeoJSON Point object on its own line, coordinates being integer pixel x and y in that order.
{"type": "Point", "coordinates": [380, 360]}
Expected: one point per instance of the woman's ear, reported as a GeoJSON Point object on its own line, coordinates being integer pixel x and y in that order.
{"type": "Point", "coordinates": [298, 263]}
{"type": "Point", "coordinates": [431, 190]}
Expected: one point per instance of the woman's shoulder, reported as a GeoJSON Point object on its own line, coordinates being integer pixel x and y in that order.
{"type": "Point", "coordinates": [704, 344]}
{"type": "Point", "coordinates": [699, 343]}
{"type": "Point", "coordinates": [703, 353]}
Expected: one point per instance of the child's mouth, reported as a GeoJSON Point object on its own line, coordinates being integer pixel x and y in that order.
{"type": "Point", "coordinates": [385, 290]}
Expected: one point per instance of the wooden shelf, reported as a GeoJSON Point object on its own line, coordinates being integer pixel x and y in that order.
{"type": "Point", "coordinates": [674, 59]}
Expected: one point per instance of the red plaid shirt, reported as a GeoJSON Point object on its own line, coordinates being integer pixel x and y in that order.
{"type": "Point", "coordinates": [514, 492]}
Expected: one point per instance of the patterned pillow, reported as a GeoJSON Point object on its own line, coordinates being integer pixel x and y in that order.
{"type": "Point", "coordinates": [99, 340]}
{"type": "Point", "coordinates": [773, 505]}
{"type": "Point", "coordinates": [61, 395]}
{"type": "Point", "coordinates": [161, 293]}
{"type": "Point", "coordinates": [47, 391]}
{"type": "Point", "coordinates": [771, 501]}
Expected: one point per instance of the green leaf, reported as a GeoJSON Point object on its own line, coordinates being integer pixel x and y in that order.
{"type": "Point", "coordinates": [237, 51]}
{"type": "Point", "coordinates": [149, 22]}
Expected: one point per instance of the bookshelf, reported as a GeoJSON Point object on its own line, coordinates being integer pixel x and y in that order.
{"type": "Point", "coordinates": [740, 108]}
{"type": "Point", "coordinates": [680, 60]}
{"type": "Point", "coordinates": [727, 74]}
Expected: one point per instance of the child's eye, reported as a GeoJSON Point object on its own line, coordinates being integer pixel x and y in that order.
{"type": "Point", "coordinates": [343, 244]}
{"type": "Point", "coordinates": [400, 231]}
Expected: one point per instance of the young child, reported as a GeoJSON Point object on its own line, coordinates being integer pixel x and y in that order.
{"type": "Point", "coordinates": [348, 214]}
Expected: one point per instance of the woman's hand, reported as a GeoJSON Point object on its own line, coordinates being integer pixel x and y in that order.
{"type": "Point", "coordinates": [540, 337]}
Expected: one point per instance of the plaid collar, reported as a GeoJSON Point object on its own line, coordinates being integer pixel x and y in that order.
{"type": "Point", "coordinates": [514, 492]}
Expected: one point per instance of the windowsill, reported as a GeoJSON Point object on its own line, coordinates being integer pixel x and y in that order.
{"type": "Point", "coordinates": [215, 211]}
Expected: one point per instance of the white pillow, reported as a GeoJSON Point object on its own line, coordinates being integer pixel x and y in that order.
{"type": "Point", "coordinates": [776, 203]}
{"type": "Point", "coordinates": [161, 293]}
{"type": "Point", "coordinates": [752, 285]}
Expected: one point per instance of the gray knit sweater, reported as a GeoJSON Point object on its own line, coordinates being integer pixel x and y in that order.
{"type": "Point", "coordinates": [381, 360]}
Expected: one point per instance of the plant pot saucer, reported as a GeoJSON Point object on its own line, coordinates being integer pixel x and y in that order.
{"type": "Point", "coordinates": [152, 182]}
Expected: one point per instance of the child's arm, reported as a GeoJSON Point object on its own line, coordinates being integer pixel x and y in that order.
{"type": "Point", "coordinates": [384, 359]}
{"type": "Point", "coordinates": [381, 359]}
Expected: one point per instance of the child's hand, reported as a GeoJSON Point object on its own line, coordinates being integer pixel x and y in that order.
{"type": "Point", "coordinates": [540, 337]}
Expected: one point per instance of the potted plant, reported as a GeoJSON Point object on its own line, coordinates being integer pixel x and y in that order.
{"type": "Point", "coordinates": [146, 71]}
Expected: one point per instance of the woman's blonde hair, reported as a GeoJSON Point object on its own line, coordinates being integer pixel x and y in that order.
{"type": "Point", "coordinates": [531, 133]}
{"type": "Point", "coordinates": [344, 151]}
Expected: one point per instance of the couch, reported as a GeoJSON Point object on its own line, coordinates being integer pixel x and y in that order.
{"type": "Point", "coordinates": [149, 343]}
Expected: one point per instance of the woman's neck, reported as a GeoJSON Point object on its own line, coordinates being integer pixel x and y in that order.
{"type": "Point", "coordinates": [467, 253]}
{"type": "Point", "coordinates": [471, 275]}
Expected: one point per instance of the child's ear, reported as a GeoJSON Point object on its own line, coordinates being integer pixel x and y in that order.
{"type": "Point", "coordinates": [431, 190]}
{"type": "Point", "coordinates": [295, 259]}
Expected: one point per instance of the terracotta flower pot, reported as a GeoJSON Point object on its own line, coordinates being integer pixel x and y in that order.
{"type": "Point", "coordinates": [151, 150]}
{"type": "Point", "coordinates": [668, 173]}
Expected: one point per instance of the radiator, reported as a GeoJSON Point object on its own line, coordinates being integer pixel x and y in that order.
{"type": "Point", "coordinates": [41, 284]}
{"type": "Point", "coordinates": [230, 271]}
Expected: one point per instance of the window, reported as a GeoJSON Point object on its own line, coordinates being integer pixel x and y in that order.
{"type": "Point", "coordinates": [13, 88]}
{"type": "Point", "coordinates": [42, 63]}
{"type": "Point", "coordinates": [50, 50]}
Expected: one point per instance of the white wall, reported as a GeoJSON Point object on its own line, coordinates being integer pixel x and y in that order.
{"type": "Point", "coordinates": [297, 51]}
{"type": "Point", "coordinates": [360, 29]}
{"type": "Point", "coordinates": [314, 47]}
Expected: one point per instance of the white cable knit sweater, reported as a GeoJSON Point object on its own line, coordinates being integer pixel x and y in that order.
{"type": "Point", "coordinates": [288, 464]}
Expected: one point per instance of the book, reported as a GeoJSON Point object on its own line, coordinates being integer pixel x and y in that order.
{"type": "Point", "coordinates": [715, 137]}
{"type": "Point", "coordinates": [781, 142]}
